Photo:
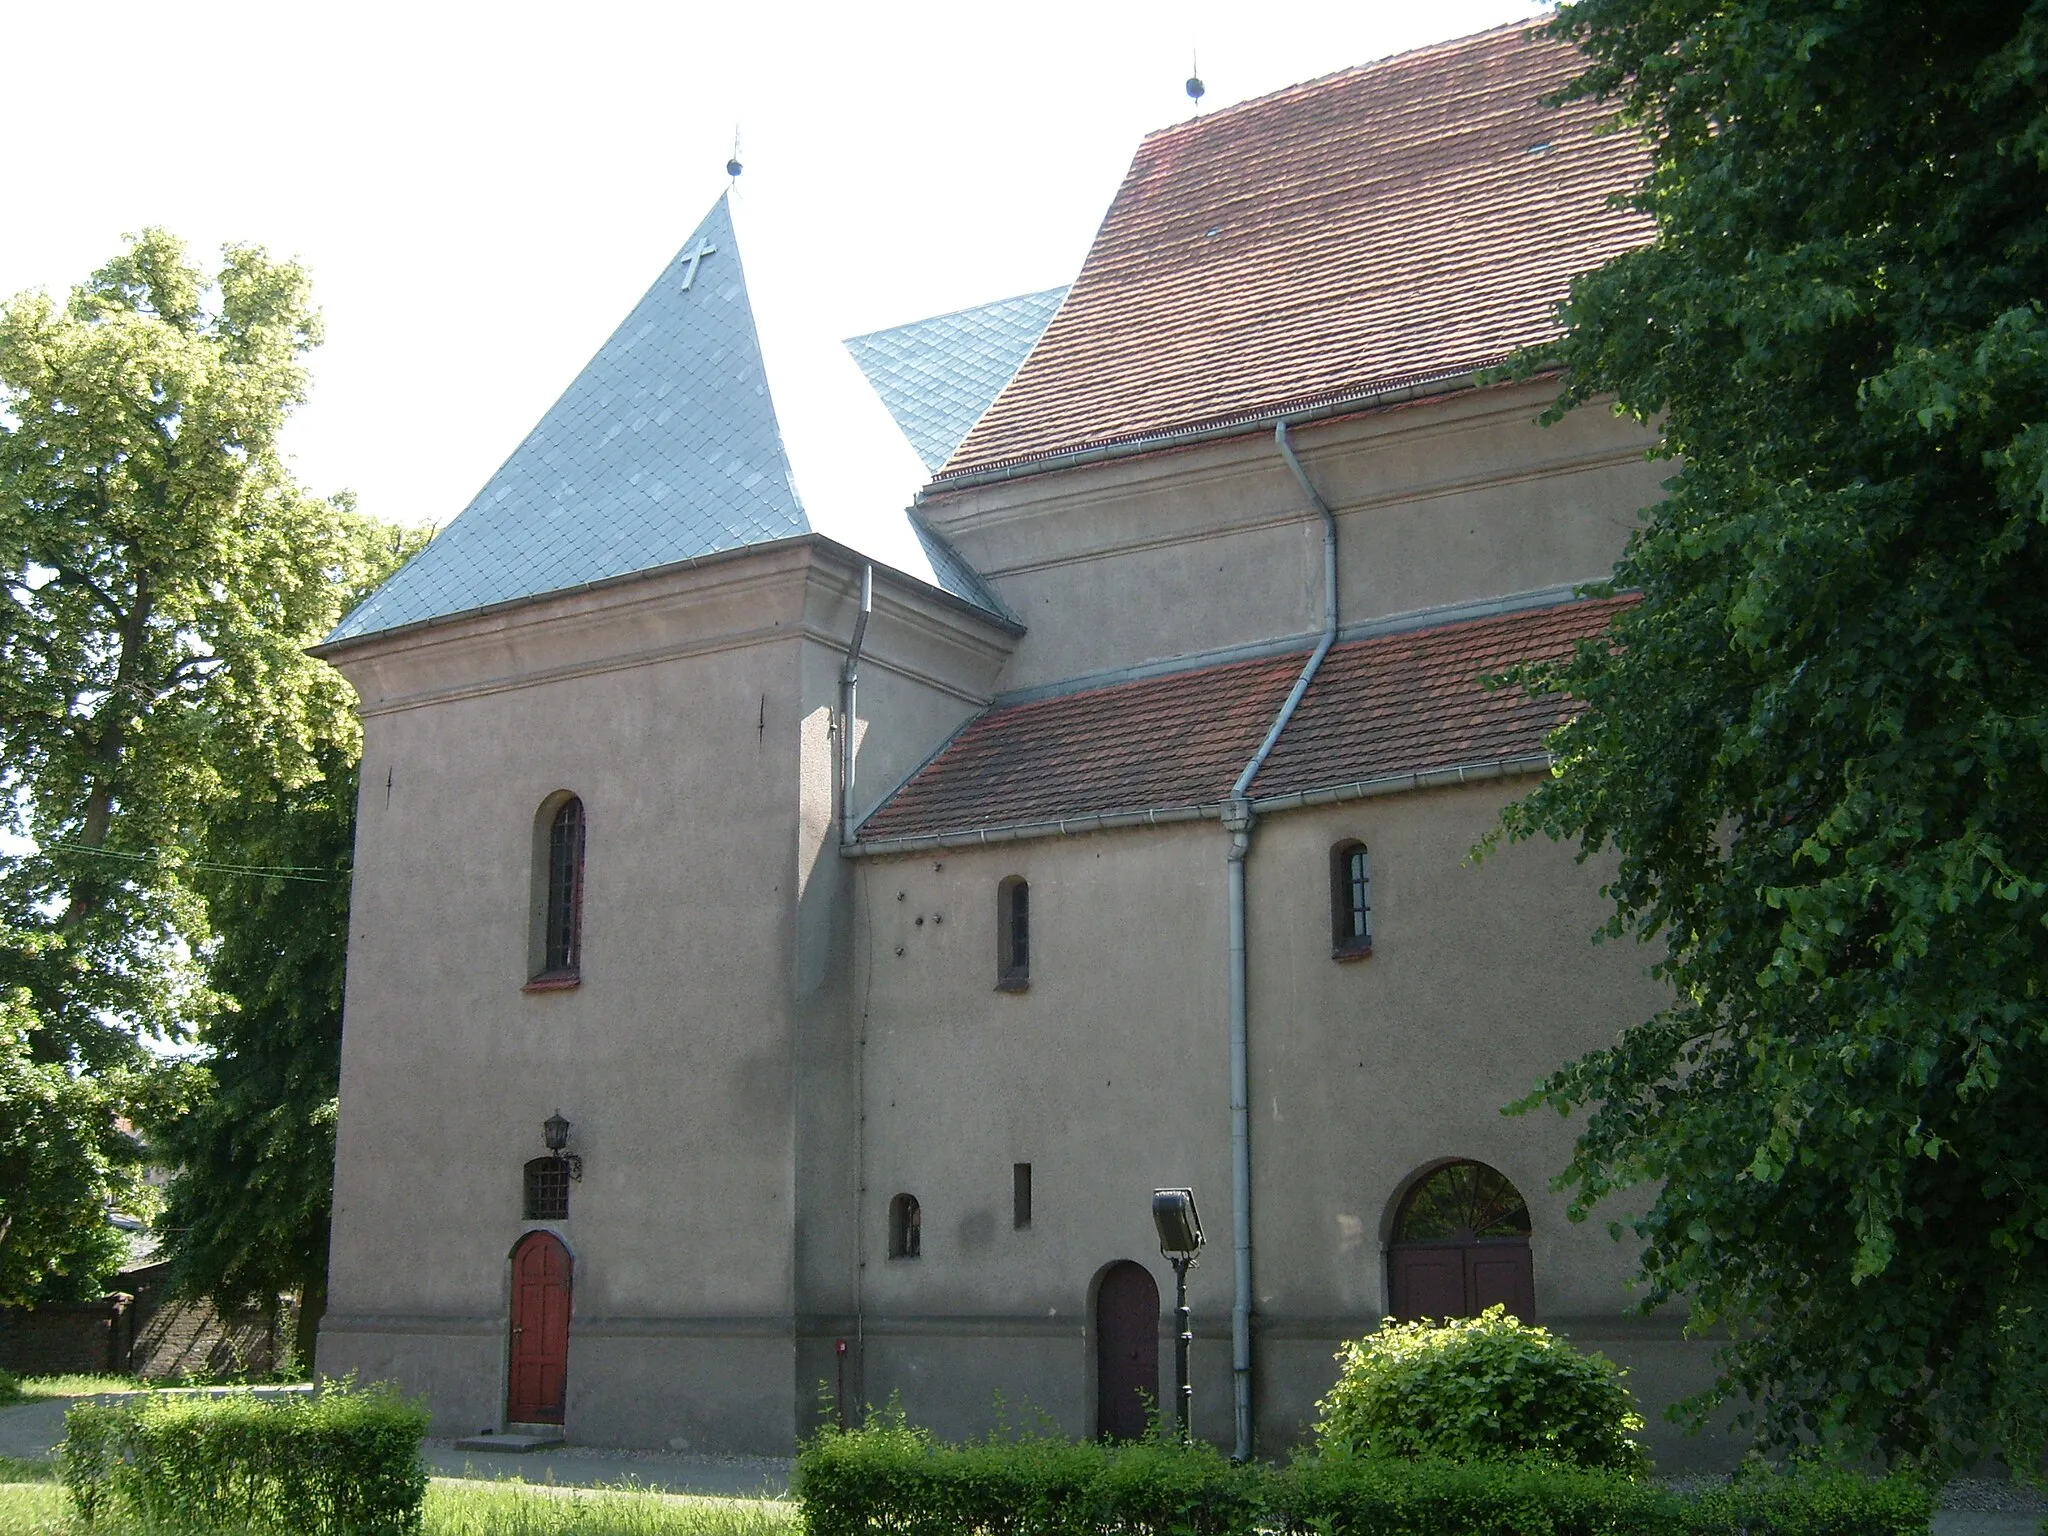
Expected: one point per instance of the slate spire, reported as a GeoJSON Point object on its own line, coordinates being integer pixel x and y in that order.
{"type": "Point", "coordinates": [666, 446]}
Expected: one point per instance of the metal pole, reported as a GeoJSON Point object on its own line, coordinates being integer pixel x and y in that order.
{"type": "Point", "coordinates": [1184, 1407]}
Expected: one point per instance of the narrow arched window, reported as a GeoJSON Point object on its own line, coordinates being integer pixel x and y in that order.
{"type": "Point", "coordinates": [1350, 900]}
{"type": "Point", "coordinates": [905, 1224]}
{"type": "Point", "coordinates": [557, 949]}
{"type": "Point", "coordinates": [547, 1189]}
{"type": "Point", "coordinates": [1013, 935]}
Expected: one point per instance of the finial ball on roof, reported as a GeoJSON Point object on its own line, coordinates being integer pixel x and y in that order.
{"type": "Point", "coordinates": [1195, 88]}
{"type": "Point", "coordinates": [732, 166]}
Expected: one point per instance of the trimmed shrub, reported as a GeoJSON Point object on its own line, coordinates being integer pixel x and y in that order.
{"type": "Point", "coordinates": [891, 1477]}
{"type": "Point", "coordinates": [1479, 1388]}
{"type": "Point", "coordinates": [1815, 1501]}
{"type": "Point", "coordinates": [1340, 1495]}
{"type": "Point", "coordinates": [333, 1463]}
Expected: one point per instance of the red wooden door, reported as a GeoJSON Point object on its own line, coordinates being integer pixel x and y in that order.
{"type": "Point", "coordinates": [1126, 1351]}
{"type": "Point", "coordinates": [540, 1330]}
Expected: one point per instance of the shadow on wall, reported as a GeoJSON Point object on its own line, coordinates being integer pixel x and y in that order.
{"type": "Point", "coordinates": [140, 1331]}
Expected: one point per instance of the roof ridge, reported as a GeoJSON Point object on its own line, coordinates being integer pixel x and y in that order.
{"type": "Point", "coordinates": [1446, 45]}
{"type": "Point", "coordinates": [955, 314]}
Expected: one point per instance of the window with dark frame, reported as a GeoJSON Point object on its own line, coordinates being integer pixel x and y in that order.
{"type": "Point", "coordinates": [905, 1227]}
{"type": "Point", "coordinates": [1020, 1195]}
{"type": "Point", "coordinates": [547, 1189]}
{"type": "Point", "coordinates": [564, 949]}
{"type": "Point", "coordinates": [1350, 901]}
{"type": "Point", "coordinates": [1013, 935]}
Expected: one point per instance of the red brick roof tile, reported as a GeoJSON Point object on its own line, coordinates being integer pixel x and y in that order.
{"type": "Point", "coordinates": [1392, 704]}
{"type": "Point", "coordinates": [1405, 220]}
{"type": "Point", "coordinates": [1410, 702]}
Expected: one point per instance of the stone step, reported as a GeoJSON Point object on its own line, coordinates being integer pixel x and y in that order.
{"type": "Point", "coordinates": [514, 1442]}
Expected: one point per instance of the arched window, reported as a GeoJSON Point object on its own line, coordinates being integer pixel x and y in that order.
{"type": "Point", "coordinates": [905, 1221]}
{"type": "Point", "coordinates": [1013, 935]}
{"type": "Point", "coordinates": [1350, 900]}
{"type": "Point", "coordinates": [547, 1189]}
{"type": "Point", "coordinates": [556, 949]}
{"type": "Point", "coordinates": [1461, 1244]}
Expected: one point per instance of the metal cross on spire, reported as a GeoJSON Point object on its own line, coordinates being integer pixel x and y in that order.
{"type": "Point", "coordinates": [704, 248]}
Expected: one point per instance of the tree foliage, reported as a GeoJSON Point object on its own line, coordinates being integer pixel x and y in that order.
{"type": "Point", "coordinates": [1818, 744]}
{"type": "Point", "coordinates": [160, 577]}
{"type": "Point", "coordinates": [63, 1162]}
{"type": "Point", "coordinates": [251, 1136]}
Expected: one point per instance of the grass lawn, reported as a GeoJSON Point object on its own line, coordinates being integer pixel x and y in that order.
{"type": "Point", "coordinates": [29, 1388]}
{"type": "Point", "coordinates": [455, 1508]}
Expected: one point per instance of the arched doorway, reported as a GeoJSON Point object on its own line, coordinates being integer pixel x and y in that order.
{"type": "Point", "coordinates": [1461, 1245]}
{"type": "Point", "coordinates": [539, 1373]}
{"type": "Point", "coordinates": [1126, 1350]}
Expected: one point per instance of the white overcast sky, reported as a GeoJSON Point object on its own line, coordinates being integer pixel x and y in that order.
{"type": "Point", "coordinates": [483, 191]}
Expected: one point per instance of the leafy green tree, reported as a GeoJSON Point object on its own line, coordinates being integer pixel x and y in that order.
{"type": "Point", "coordinates": [251, 1138]}
{"type": "Point", "coordinates": [63, 1163]}
{"type": "Point", "coordinates": [160, 577]}
{"type": "Point", "coordinates": [1818, 745]}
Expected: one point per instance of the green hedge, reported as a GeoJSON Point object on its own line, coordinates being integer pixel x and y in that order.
{"type": "Point", "coordinates": [1339, 1496]}
{"type": "Point", "coordinates": [891, 1479]}
{"type": "Point", "coordinates": [333, 1463]}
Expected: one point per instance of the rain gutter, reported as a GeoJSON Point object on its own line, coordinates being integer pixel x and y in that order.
{"type": "Point", "coordinates": [1237, 426]}
{"type": "Point", "coordinates": [1448, 777]}
{"type": "Point", "coordinates": [849, 680]}
{"type": "Point", "coordinates": [1239, 820]}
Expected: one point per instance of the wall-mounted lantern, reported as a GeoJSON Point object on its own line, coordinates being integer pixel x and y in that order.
{"type": "Point", "coordinates": [555, 1132]}
{"type": "Point", "coordinates": [1180, 1239]}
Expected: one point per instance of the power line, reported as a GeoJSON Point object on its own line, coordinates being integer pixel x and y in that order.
{"type": "Point", "coordinates": [311, 873]}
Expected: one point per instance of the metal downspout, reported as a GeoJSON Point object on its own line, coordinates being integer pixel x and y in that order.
{"type": "Point", "coordinates": [849, 678]}
{"type": "Point", "coordinates": [1238, 820]}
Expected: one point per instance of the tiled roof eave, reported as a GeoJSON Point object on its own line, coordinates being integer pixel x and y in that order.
{"type": "Point", "coordinates": [1450, 776]}
{"type": "Point", "coordinates": [1308, 408]}
{"type": "Point", "coordinates": [328, 650]}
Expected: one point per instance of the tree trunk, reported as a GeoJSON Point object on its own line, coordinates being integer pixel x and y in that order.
{"type": "Point", "coordinates": [113, 736]}
{"type": "Point", "coordinates": [306, 1327]}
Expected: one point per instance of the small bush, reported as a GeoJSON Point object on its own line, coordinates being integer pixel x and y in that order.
{"type": "Point", "coordinates": [10, 1388]}
{"type": "Point", "coordinates": [1479, 1388]}
{"type": "Point", "coordinates": [335, 1462]}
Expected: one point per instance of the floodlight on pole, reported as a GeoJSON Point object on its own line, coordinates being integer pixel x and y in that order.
{"type": "Point", "coordinates": [1180, 1240]}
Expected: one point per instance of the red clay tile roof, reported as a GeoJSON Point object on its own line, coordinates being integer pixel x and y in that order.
{"type": "Point", "coordinates": [1392, 704]}
{"type": "Point", "coordinates": [1387, 225]}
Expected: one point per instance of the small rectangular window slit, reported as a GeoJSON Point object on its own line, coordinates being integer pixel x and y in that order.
{"type": "Point", "coordinates": [1020, 1194]}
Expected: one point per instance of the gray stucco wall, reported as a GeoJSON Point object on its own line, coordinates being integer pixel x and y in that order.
{"type": "Point", "coordinates": [771, 1040]}
{"type": "Point", "coordinates": [691, 724]}
{"type": "Point", "coordinates": [1196, 549]}
{"type": "Point", "coordinates": [1110, 1075]}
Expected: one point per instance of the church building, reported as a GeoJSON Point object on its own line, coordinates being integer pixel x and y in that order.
{"type": "Point", "coordinates": [785, 960]}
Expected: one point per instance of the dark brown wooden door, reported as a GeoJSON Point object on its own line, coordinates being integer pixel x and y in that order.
{"type": "Point", "coordinates": [1461, 1279]}
{"type": "Point", "coordinates": [540, 1330]}
{"type": "Point", "coordinates": [1126, 1351]}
